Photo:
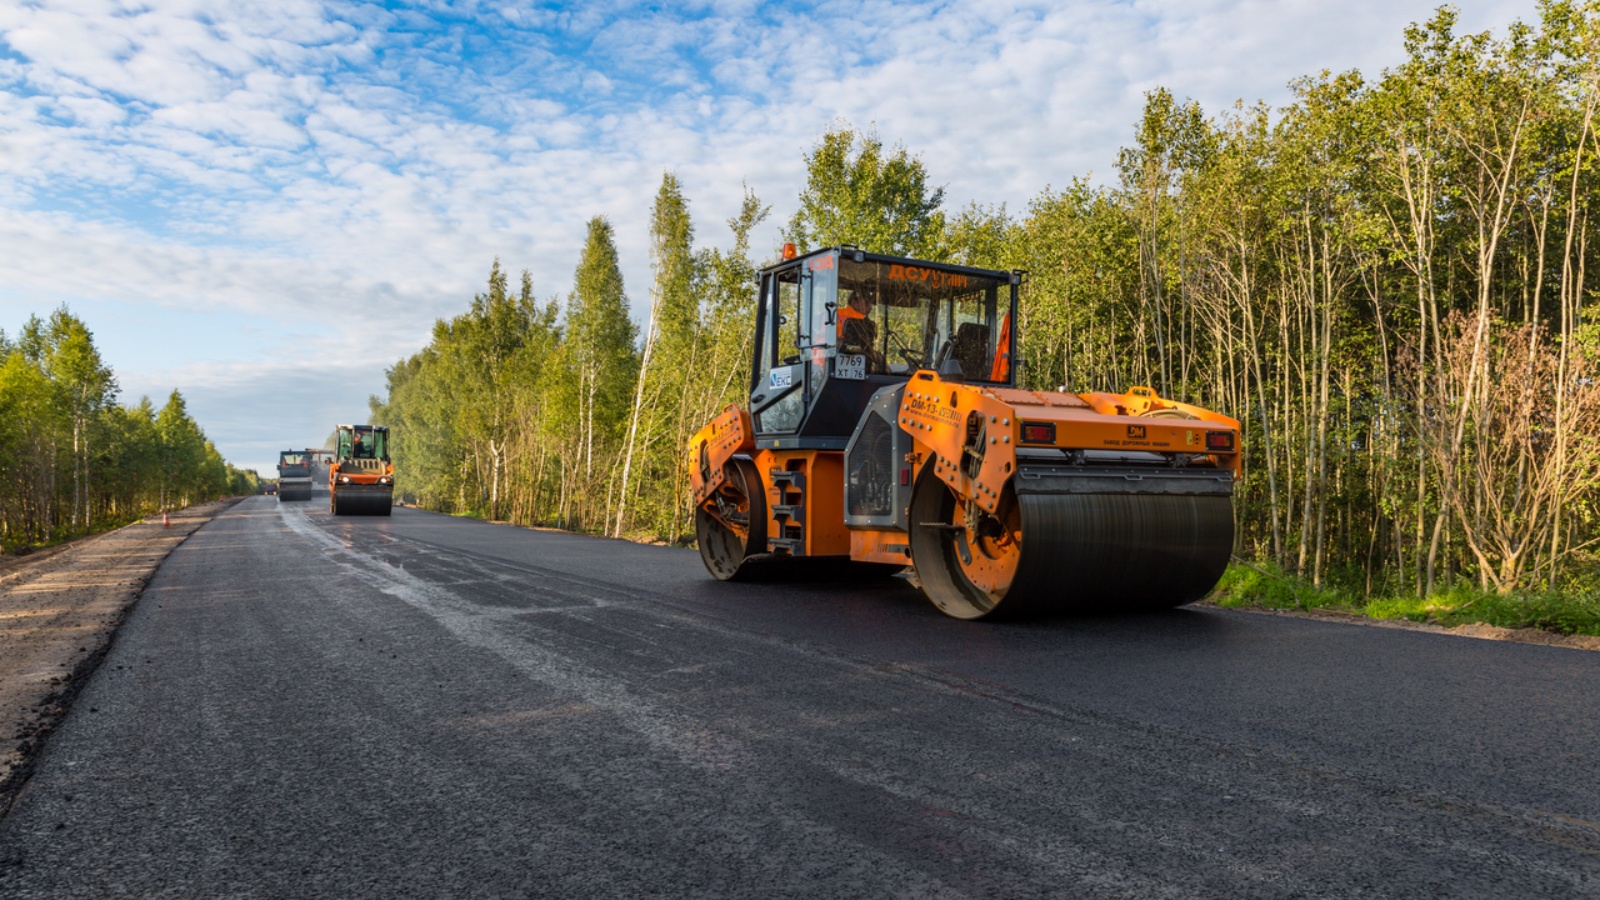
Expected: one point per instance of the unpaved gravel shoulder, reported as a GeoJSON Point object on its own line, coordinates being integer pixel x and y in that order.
{"type": "Point", "coordinates": [58, 612]}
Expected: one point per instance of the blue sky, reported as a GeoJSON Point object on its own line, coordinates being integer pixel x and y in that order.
{"type": "Point", "coordinates": [264, 204]}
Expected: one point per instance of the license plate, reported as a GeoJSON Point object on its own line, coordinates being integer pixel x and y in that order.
{"type": "Point", "coordinates": [850, 366]}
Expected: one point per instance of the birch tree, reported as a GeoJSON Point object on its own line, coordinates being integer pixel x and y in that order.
{"type": "Point", "coordinates": [660, 392]}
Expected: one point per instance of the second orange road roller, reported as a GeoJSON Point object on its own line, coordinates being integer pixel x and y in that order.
{"type": "Point", "coordinates": [361, 476]}
{"type": "Point", "coordinates": [885, 426]}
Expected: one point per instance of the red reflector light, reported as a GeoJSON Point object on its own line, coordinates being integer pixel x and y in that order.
{"type": "Point", "coordinates": [1038, 432]}
{"type": "Point", "coordinates": [1219, 440]}
{"type": "Point", "coordinates": [905, 476]}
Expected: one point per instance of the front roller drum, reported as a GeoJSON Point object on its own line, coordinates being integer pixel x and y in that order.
{"type": "Point", "coordinates": [360, 503]}
{"type": "Point", "coordinates": [1073, 552]}
{"type": "Point", "coordinates": [731, 527]}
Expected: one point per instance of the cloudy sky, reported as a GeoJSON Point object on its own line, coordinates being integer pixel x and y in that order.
{"type": "Point", "coordinates": [265, 203]}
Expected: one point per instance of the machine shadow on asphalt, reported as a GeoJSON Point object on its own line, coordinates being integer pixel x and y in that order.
{"type": "Point", "coordinates": [849, 593]}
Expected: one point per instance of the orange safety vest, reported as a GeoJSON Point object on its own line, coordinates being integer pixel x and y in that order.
{"type": "Point", "coordinates": [847, 313]}
{"type": "Point", "coordinates": [1000, 370]}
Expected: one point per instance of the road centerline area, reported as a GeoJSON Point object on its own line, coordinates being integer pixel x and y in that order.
{"type": "Point", "coordinates": [426, 706]}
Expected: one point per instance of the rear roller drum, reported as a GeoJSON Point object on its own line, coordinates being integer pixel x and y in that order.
{"type": "Point", "coordinates": [735, 527]}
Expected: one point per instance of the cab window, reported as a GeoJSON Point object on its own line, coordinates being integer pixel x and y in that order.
{"type": "Point", "coordinates": [921, 317]}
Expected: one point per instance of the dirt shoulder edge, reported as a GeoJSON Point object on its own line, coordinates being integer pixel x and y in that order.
{"type": "Point", "coordinates": [57, 624]}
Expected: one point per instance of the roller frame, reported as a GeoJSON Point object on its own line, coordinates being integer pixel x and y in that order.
{"type": "Point", "coordinates": [712, 450]}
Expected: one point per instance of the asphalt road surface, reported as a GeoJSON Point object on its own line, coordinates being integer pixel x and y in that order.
{"type": "Point", "coordinates": [304, 706]}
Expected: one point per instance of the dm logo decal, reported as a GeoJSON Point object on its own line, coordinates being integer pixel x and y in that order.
{"type": "Point", "coordinates": [1135, 432]}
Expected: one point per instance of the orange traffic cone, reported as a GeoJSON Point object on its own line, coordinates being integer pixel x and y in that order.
{"type": "Point", "coordinates": [165, 522]}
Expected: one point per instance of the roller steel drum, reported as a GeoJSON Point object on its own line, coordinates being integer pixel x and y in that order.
{"type": "Point", "coordinates": [1075, 539]}
{"type": "Point", "coordinates": [346, 502]}
{"type": "Point", "coordinates": [723, 549]}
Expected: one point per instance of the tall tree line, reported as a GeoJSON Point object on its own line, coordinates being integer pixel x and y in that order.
{"type": "Point", "coordinates": [1387, 281]}
{"type": "Point", "coordinates": [74, 461]}
{"type": "Point", "coordinates": [561, 412]}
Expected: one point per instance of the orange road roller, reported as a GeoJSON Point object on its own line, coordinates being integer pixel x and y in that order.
{"type": "Point", "coordinates": [885, 426]}
{"type": "Point", "coordinates": [361, 477]}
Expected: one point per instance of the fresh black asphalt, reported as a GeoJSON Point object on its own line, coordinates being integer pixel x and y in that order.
{"type": "Point", "coordinates": [423, 706]}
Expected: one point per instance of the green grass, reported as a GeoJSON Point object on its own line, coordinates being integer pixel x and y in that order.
{"type": "Point", "coordinates": [1263, 586]}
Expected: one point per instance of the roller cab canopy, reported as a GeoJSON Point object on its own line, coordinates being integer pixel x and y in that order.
{"type": "Point", "coordinates": [836, 325]}
{"type": "Point", "coordinates": [363, 442]}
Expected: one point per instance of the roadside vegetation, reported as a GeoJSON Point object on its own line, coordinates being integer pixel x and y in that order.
{"type": "Point", "coordinates": [73, 461]}
{"type": "Point", "coordinates": [1388, 282]}
{"type": "Point", "coordinates": [1567, 610]}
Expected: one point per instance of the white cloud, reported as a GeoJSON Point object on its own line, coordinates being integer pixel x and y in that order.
{"type": "Point", "coordinates": [334, 176]}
